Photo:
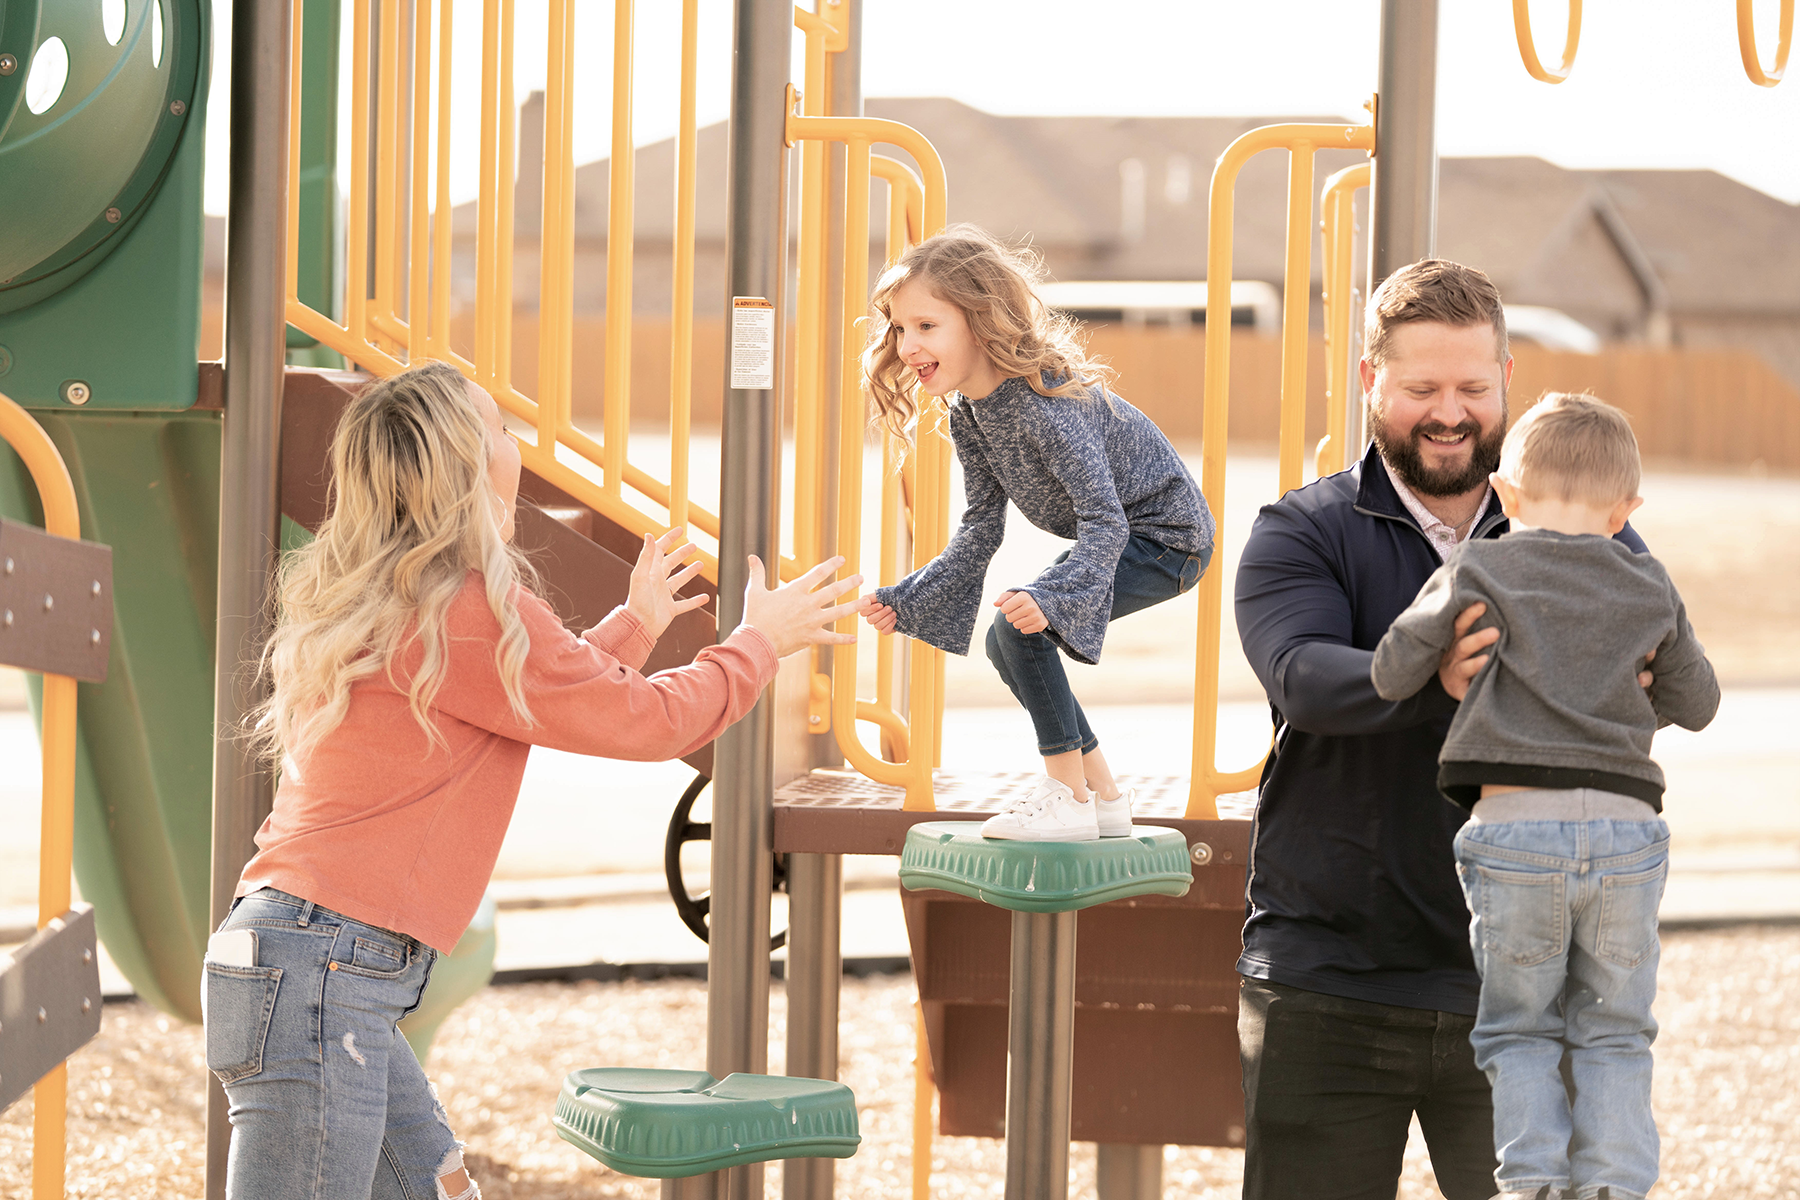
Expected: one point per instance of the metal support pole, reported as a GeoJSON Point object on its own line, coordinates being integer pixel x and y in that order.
{"type": "Point", "coordinates": [1040, 1052]}
{"type": "Point", "coordinates": [1125, 1172]}
{"type": "Point", "coordinates": [1403, 208]}
{"type": "Point", "coordinates": [815, 965]}
{"type": "Point", "coordinates": [737, 988]}
{"type": "Point", "coordinates": [250, 512]}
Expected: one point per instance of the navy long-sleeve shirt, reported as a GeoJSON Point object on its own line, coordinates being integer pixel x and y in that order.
{"type": "Point", "coordinates": [1352, 884]}
{"type": "Point", "coordinates": [1091, 468]}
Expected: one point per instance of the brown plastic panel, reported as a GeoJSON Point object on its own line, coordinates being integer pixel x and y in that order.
{"type": "Point", "coordinates": [49, 1000]}
{"type": "Point", "coordinates": [55, 602]}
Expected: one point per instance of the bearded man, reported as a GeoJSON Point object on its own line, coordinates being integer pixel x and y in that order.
{"type": "Point", "coordinates": [1359, 989]}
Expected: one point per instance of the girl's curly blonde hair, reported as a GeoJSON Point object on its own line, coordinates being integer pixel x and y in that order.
{"type": "Point", "coordinates": [994, 285]}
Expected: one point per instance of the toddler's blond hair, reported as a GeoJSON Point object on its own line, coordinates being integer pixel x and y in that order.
{"type": "Point", "coordinates": [1574, 448]}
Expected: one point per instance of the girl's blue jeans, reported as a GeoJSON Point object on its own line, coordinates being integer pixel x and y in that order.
{"type": "Point", "coordinates": [1148, 573]}
{"type": "Point", "coordinates": [1564, 934]}
{"type": "Point", "coordinates": [327, 1100]}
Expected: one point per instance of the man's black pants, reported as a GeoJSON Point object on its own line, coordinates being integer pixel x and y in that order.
{"type": "Point", "coordinates": [1330, 1088]}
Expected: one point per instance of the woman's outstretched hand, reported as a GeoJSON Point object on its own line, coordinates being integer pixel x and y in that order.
{"type": "Point", "coordinates": [882, 617]}
{"type": "Point", "coordinates": [656, 578]}
{"type": "Point", "coordinates": [799, 614]}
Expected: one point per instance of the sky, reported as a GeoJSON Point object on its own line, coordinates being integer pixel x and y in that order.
{"type": "Point", "coordinates": [1656, 83]}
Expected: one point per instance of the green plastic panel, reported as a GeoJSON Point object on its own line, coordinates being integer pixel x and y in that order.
{"type": "Point", "coordinates": [672, 1124]}
{"type": "Point", "coordinates": [129, 327]}
{"type": "Point", "coordinates": [1043, 877]}
{"type": "Point", "coordinates": [147, 486]}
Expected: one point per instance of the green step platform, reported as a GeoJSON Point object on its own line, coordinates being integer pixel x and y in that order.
{"type": "Point", "coordinates": [1044, 877]}
{"type": "Point", "coordinates": [664, 1124]}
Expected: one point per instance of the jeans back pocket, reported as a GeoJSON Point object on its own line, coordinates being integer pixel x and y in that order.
{"type": "Point", "coordinates": [1522, 916]}
{"type": "Point", "coordinates": [240, 1003]}
{"type": "Point", "coordinates": [1628, 904]}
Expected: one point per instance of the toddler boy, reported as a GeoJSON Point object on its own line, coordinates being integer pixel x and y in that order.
{"type": "Point", "coordinates": [1564, 857]}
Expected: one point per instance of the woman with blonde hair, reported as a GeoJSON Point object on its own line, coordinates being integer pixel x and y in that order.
{"type": "Point", "coordinates": [1034, 423]}
{"type": "Point", "coordinates": [413, 668]}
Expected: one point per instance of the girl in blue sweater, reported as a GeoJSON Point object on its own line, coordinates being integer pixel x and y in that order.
{"type": "Point", "coordinates": [1033, 423]}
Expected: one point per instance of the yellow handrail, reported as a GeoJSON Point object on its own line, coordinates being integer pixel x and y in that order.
{"type": "Point", "coordinates": [405, 316]}
{"type": "Point", "coordinates": [1338, 229]}
{"type": "Point", "coordinates": [56, 847]}
{"type": "Point", "coordinates": [1208, 782]}
{"type": "Point", "coordinates": [931, 511]}
{"type": "Point", "coordinates": [1784, 37]}
{"type": "Point", "coordinates": [1528, 47]}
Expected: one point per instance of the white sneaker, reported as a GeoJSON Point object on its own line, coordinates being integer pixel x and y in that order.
{"type": "Point", "coordinates": [1047, 813]}
{"type": "Point", "coordinates": [1114, 816]}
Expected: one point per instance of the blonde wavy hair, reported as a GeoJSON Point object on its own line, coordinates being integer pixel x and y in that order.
{"type": "Point", "coordinates": [995, 287]}
{"type": "Point", "coordinates": [412, 514]}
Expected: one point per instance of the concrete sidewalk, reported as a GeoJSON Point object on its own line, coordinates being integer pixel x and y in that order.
{"type": "Point", "coordinates": [579, 879]}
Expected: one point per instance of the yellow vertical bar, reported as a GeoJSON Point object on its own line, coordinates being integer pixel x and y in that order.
{"type": "Point", "coordinates": [681, 320]}
{"type": "Point", "coordinates": [565, 301]}
{"type": "Point", "coordinates": [617, 400]}
{"type": "Point", "coordinates": [809, 309]}
{"type": "Point", "coordinates": [1340, 316]}
{"type": "Point", "coordinates": [485, 273]}
{"type": "Point", "coordinates": [291, 275]}
{"type": "Point", "coordinates": [924, 1093]}
{"type": "Point", "coordinates": [887, 571]}
{"type": "Point", "coordinates": [550, 239]}
{"type": "Point", "coordinates": [356, 224]}
{"type": "Point", "coordinates": [508, 118]}
{"type": "Point", "coordinates": [386, 152]}
{"type": "Point", "coordinates": [1296, 306]}
{"type": "Point", "coordinates": [418, 290]}
{"type": "Point", "coordinates": [439, 342]}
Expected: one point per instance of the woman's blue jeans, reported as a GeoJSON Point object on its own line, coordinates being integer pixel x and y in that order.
{"type": "Point", "coordinates": [327, 1100]}
{"type": "Point", "coordinates": [1148, 573]}
{"type": "Point", "coordinates": [1565, 939]}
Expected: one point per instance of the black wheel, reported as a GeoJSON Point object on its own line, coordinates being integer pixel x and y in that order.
{"type": "Point", "coordinates": [682, 830]}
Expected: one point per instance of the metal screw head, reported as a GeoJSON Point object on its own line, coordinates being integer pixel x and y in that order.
{"type": "Point", "coordinates": [77, 392]}
{"type": "Point", "coordinates": [7, 620]}
{"type": "Point", "coordinates": [42, 1016]}
{"type": "Point", "coordinates": [87, 956]}
{"type": "Point", "coordinates": [178, 107]}
{"type": "Point", "coordinates": [8, 64]}
{"type": "Point", "coordinates": [49, 602]}
{"type": "Point", "coordinates": [1201, 853]}
{"type": "Point", "coordinates": [96, 589]}
{"type": "Point", "coordinates": [9, 566]}
{"type": "Point", "coordinates": [94, 638]}
{"type": "Point", "coordinates": [113, 215]}
{"type": "Point", "coordinates": [87, 1005]}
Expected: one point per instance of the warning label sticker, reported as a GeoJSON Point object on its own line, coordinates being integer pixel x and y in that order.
{"type": "Point", "coordinates": [752, 343]}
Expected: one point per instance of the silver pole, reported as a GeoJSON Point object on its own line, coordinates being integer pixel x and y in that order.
{"type": "Point", "coordinates": [737, 989]}
{"type": "Point", "coordinates": [1403, 216]}
{"type": "Point", "coordinates": [1040, 1051]}
{"type": "Point", "coordinates": [250, 512]}
{"type": "Point", "coordinates": [815, 964]}
{"type": "Point", "coordinates": [1126, 1172]}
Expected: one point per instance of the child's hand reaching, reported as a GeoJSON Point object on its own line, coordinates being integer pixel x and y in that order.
{"type": "Point", "coordinates": [878, 614]}
{"type": "Point", "coordinates": [1023, 612]}
{"type": "Point", "coordinates": [656, 578]}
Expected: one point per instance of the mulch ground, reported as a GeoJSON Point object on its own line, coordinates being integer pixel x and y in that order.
{"type": "Point", "coordinates": [1727, 1088]}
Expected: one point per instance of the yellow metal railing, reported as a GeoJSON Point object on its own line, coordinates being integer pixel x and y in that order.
{"type": "Point", "coordinates": [1208, 783]}
{"type": "Point", "coordinates": [914, 744]}
{"type": "Point", "coordinates": [1528, 46]}
{"type": "Point", "coordinates": [56, 848]}
{"type": "Point", "coordinates": [1784, 38]}
{"type": "Point", "coordinates": [396, 235]}
{"type": "Point", "coordinates": [1338, 229]}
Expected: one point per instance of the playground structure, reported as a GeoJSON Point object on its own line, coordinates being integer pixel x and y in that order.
{"type": "Point", "coordinates": [152, 442]}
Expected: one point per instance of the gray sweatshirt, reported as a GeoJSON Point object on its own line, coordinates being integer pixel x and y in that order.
{"type": "Point", "coordinates": [1079, 468]}
{"type": "Point", "coordinates": [1558, 704]}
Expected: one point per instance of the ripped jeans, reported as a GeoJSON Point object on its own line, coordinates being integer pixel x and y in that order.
{"type": "Point", "coordinates": [328, 1101]}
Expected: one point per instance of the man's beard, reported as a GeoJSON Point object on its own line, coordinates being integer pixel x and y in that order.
{"type": "Point", "coordinates": [1402, 454]}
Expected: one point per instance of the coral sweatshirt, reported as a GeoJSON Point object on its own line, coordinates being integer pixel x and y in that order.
{"type": "Point", "coordinates": [379, 824]}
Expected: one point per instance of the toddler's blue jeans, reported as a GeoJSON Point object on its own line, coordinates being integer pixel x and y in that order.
{"type": "Point", "coordinates": [1564, 934]}
{"type": "Point", "coordinates": [1148, 573]}
{"type": "Point", "coordinates": [327, 1100]}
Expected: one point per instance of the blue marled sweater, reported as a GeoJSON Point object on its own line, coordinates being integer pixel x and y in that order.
{"type": "Point", "coordinates": [1078, 468]}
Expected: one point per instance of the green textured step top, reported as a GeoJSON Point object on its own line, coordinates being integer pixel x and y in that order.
{"type": "Point", "coordinates": [671, 1124]}
{"type": "Point", "coordinates": [1041, 877]}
